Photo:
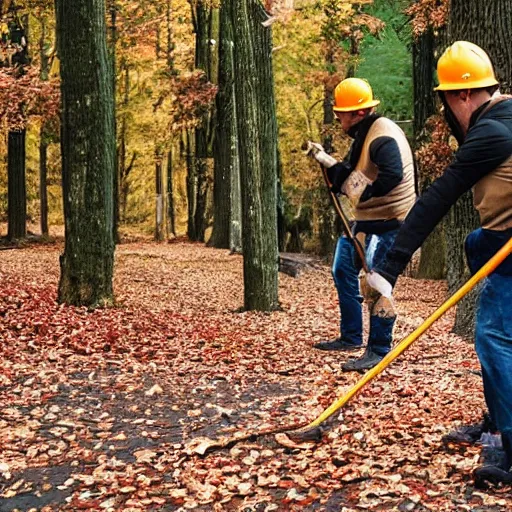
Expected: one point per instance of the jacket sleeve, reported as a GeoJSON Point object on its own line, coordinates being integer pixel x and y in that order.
{"type": "Point", "coordinates": [385, 154]}
{"type": "Point", "coordinates": [487, 146]}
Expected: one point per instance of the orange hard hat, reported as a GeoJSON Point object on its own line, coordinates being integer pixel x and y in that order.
{"type": "Point", "coordinates": [353, 94]}
{"type": "Point", "coordinates": [464, 65]}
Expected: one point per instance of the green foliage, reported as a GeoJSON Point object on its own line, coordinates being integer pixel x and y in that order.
{"type": "Point", "coordinates": [386, 60]}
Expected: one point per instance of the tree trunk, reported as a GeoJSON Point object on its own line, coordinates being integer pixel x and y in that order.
{"type": "Point", "coordinates": [43, 187]}
{"type": "Point", "coordinates": [328, 231]}
{"type": "Point", "coordinates": [432, 262]}
{"type": "Point", "coordinates": [43, 139]}
{"type": "Point", "coordinates": [257, 131]}
{"type": "Point", "coordinates": [88, 153]}
{"type": "Point", "coordinates": [16, 187]}
{"type": "Point", "coordinates": [424, 66]}
{"type": "Point", "coordinates": [203, 18]}
{"type": "Point", "coordinates": [159, 207]}
{"type": "Point", "coordinates": [489, 25]}
{"type": "Point", "coordinates": [112, 49]}
{"type": "Point", "coordinates": [191, 184]}
{"type": "Point", "coordinates": [225, 145]}
{"type": "Point", "coordinates": [171, 219]}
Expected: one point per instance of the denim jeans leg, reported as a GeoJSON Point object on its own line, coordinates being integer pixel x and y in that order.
{"type": "Point", "coordinates": [346, 280]}
{"type": "Point", "coordinates": [494, 348]}
{"type": "Point", "coordinates": [381, 329]}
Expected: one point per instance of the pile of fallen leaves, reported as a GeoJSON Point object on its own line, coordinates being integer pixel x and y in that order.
{"type": "Point", "coordinates": [126, 408]}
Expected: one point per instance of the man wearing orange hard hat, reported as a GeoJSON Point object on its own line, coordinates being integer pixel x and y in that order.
{"type": "Point", "coordinates": [378, 177]}
{"type": "Point", "coordinates": [481, 120]}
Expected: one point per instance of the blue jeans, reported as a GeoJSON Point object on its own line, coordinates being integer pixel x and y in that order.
{"type": "Point", "coordinates": [346, 279]}
{"type": "Point", "coordinates": [494, 329]}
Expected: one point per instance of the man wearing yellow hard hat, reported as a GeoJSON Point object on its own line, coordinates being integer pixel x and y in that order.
{"type": "Point", "coordinates": [378, 177]}
{"type": "Point", "coordinates": [481, 120]}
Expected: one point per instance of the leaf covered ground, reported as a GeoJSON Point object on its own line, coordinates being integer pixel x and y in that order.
{"type": "Point", "coordinates": [107, 410]}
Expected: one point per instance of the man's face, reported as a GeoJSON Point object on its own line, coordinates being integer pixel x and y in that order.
{"type": "Point", "coordinates": [348, 119]}
{"type": "Point", "coordinates": [461, 106]}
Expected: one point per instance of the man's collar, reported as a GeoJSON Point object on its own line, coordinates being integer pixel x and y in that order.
{"type": "Point", "coordinates": [476, 114]}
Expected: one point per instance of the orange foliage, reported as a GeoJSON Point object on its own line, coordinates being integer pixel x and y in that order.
{"type": "Point", "coordinates": [428, 13]}
{"type": "Point", "coordinates": [435, 155]}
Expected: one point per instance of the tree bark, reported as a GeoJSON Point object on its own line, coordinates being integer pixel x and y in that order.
{"type": "Point", "coordinates": [88, 153]}
{"type": "Point", "coordinates": [159, 207]}
{"type": "Point", "coordinates": [489, 25]}
{"type": "Point", "coordinates": [43, 139]}
{"type": "Point", "coordinates": [191, 183]}
{"type": "Point", "coordinates": [16, 187]}
{"type": "Point", "coordinates": [257, 131]}
{"type": "Point", "coordinates": [225, 145]}
{"type": "Point", "coordinates": [171, 219]}
{"type": "Point", "coordinates": [43, 182]}
{"type": "Point", "coordinates": [203, 20]}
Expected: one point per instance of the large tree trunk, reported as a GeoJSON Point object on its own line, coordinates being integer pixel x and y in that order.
{"type": "Point", "coordinates": [257, 131]}
{"type": "Point", "coordinates": [17, 193]}
{"type": "Point", "coordinates": [112, 7]}
{"type": "Point", "coordinates": [88, 153]}
{"type": "Point", "coordinates": [202, 25]}
{"type": "Point", "coordinates": [225, 145]}
{"type": "Point", "coordinates": [489, 25]}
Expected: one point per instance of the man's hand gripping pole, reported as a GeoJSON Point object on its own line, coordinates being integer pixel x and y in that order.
{"type": "Point", "coordinates": [325, 160]}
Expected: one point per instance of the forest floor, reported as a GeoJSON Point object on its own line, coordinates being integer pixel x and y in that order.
{"type": "Point", "coordinates": [108, 410]}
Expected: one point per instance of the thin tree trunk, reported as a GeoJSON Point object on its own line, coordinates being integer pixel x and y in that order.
{"type": "Point", "coordinates": [88, 153]}
{"type": "Point", "coordinates": [328, 231]}
{"type": "Point", "coordinates": [43, 139]}
{"type": "Point", "coordinates": [257, 131]}
{"type": "Point", "coordinates": [191, 184]}
{"type": "Point", "coordinates": [43, 187]}
{"type": "Point", "coordinates": [159, 209]}
{"type": "Point", "coordinates": [171, 219]}
{"type": "Point", "coordinates": [17, 193]}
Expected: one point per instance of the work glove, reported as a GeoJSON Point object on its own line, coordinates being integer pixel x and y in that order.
{"type": "Point", "coordinates": [338, 174]}
{"type": "Point", "coordinates": [318, 153]}
{"type": "Point", "coordinates": [380, 284]}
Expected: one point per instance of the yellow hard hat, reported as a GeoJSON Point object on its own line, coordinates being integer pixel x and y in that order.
{"type": "Point", "coordinates": [353, 94]}
{"type": "Point", "coordinates": [464, 65]}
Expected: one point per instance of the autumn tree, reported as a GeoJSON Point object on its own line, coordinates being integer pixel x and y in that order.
{"type": "Point", "coordinates": [88, 153]}
{"type": "Point", "coordinates": [226, 186]}
{"type": "Point", "coordinates": [257, 144]}
{"type": "Point", "coordinates": [476, 21]}
{"type": "Point", "coordinates": [428, 22]}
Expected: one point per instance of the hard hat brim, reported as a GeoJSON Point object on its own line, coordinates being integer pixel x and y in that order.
{"type": "Point", "coordinates": [485, 82]}
{"type": "Point", "coordinates": [363, 106]}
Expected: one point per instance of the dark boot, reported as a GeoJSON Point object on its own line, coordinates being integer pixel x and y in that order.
{"type": "Point", "coordinates": [369, 360]}
{"type": "Point", "coordinates": [337, 344]}
{"type": "Point", "coordinates": [470, 434]}
{"type": "Point", "coordinates": [497, 465]}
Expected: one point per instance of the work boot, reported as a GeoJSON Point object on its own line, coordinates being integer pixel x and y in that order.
{"type": "Point", "coordinates": [470, 434]}
{"type": "Point", "coordinates": [497, 462]}
{"type": "Point", "coordinates": [369, 360]}
{"type": "Point", "coordinates": [337, 344]}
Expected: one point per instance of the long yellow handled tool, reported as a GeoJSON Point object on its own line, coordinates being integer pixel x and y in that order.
{"type": "Point", "coordinates": [312, 431]}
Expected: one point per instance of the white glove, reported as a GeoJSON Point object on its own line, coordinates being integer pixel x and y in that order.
{"type": "Point", "coordinates": [318, 152]}
{"type": "Point", "coordinates": [355, 185]}
{"type": "Point", "coordinates": [380, 284]}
